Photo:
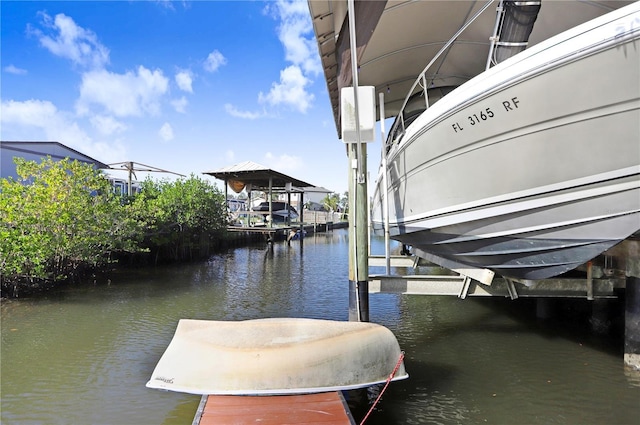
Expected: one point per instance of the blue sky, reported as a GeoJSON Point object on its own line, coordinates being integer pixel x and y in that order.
{"type": "Point", "coordinates": [183, 86]}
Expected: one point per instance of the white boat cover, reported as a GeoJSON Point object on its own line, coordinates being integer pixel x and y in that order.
{"type": "Point", "coordinates": [276, 356]}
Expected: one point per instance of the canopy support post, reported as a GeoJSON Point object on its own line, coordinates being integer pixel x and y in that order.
{"type": "Point", "coordinates": [358, 200]}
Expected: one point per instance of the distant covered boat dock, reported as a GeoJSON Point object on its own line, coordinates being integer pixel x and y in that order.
{"type": "Point", "coordinates": [251, 177]}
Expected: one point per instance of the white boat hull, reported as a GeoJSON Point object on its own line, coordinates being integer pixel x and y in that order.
{"type": "Point", "coordinates": [531, 168]}
{"type": "Point", "coordinates": [276, 356]}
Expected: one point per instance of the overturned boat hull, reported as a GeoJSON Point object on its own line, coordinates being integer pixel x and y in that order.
{"type": "Point", "coordinates": [531, 168]}
{"type": "Point", "coordinates": [276, 356]}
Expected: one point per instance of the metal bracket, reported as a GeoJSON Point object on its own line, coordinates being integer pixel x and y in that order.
{"type": "Point", "coordinates": [466, 283]}
{"type": "Point", "coordinates": [511, 289]}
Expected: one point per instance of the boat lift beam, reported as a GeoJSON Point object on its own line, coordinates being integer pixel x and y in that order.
{"type": "Point", "coordinates": [484, 276]}
{"type": "Point", "coordinates": [462, 287]}
{"type": "Point", "coordinates": [449, 278]}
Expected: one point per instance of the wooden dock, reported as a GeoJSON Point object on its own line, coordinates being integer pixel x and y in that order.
{"type": "Point", "coordinates": [319, 408]}
{"type": "Point", "coordinates": [284, 233]}
{"type": "Point", "coordinates": [260, 229]}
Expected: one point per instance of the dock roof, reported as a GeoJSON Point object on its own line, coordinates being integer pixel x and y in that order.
{"type": "Point", "coordinates": [257, 175]}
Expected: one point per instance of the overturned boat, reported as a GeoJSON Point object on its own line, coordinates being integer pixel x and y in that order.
{"type": "Point", "coordinates": [532, 167]}
{"type": "Point", "coordinates": [277, 356]}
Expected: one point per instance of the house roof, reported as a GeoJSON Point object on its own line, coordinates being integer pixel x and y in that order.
{"type": "Point", "coordinates": [317, 189]}
{"type": "Point", "coordinates": [54, 149]}
{"type": "Point", "coordinates": [257, 175]}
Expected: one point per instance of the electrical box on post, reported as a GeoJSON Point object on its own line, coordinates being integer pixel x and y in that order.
{"type": "Point", "coordinates": [367, 114]}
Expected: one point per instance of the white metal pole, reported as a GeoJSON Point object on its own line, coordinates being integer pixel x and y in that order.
{"type": "Point", "coordinates": [493, 39]}
{"type": "Point", "coordinates": [354, 72]}
{"type": "Point", "coordinates": [385, 187]}
{"type": "Point", "coordinates": [270, 216]}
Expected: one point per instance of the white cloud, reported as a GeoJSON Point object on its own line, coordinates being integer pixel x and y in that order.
{"type": "Point", "coordinates": [30, 112]}
{"type": "Point", "coordinates": [235, 112]}
{"type": "Point", "coordinates": [295, 32]}
{"type": "Point", "coordinates": [107, 125]}
{"type": "Point", "coordinates": [288, 9]}
{"type": "Point", "coordinates": [230, 155]}
{"type": "Point", "coordinates": [184, 79]}
{"type": "Point", "coordinates": [284, 162]}
{"type": "Point", "coordinates": [290, 90]}
{"type": "Point", "coordinates": [295, 24]}
{"type": "Point", "coordinates": [167, 4]}
{"type": "Point", "coordinates": [41, 120]}
{"type": "Point", "coordinates": [166, 132]}
{"type": "Point", "coordinates": [180, 105]}
{"type": "Point", "coordinates": [130, 94]}
{"type": "Point", "coordinates": [214, 61]}
{"type": "Point", "coordinates": [12, 69]}
{"type": "Point", "coordinates": [70, 41]}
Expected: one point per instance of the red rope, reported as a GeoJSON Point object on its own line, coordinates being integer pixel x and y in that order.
{"type": "Point", "coordinates": [395, 369]}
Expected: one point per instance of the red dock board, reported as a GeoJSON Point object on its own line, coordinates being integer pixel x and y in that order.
{"type": "Point", "coordinates": [320, 408]}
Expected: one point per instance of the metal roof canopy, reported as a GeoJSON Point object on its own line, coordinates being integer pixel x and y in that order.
{"type": "Point", "coordinates": [397, 38]}
{"type": "Point", "coordinates": [258, 176]}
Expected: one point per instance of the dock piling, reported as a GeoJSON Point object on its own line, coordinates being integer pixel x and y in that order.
{"type": "Point", "coordinates": [632, 324]}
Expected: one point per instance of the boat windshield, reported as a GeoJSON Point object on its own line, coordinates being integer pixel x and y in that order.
{"type": "Point", "coordinates": [416, 102]}
{"type": "Point", "coordinates": [415, 106]}
{"type": "Point", "coordinates": [412, 110]}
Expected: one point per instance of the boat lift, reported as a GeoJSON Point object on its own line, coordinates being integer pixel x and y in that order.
{"type": "Point", "coordinates": [455, 278]}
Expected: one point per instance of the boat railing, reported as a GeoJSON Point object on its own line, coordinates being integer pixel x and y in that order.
{"type": "Point", "coordinates": [409, 111]}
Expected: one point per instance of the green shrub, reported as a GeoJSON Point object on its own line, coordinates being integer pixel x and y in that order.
{"type": "Point", "coordinates": [184, 219]}
{"type": "Point", "coordinates": [58, 219]}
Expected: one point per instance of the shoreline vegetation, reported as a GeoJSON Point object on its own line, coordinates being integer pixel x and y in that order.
{"type": "Point", "coordinates": [61, 223]}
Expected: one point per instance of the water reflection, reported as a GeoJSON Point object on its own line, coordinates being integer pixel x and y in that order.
{"type": "Point", "coordinates": [84, 354]}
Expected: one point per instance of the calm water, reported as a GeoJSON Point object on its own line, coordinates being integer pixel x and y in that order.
{"type": "Point", "coordinates": [83, 356]}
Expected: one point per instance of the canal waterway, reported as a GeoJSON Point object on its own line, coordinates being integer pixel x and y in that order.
{"type": "Point", "coordinates": [83, 355]}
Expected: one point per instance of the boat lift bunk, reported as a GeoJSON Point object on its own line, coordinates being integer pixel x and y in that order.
{"type": "Point", "coordinates": [604, 277]}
